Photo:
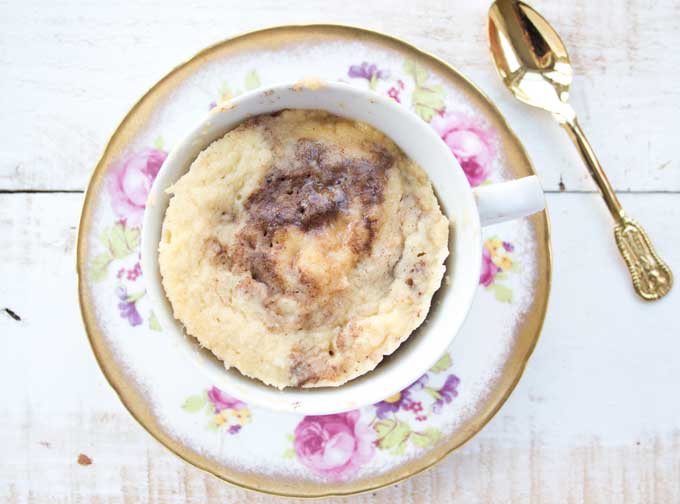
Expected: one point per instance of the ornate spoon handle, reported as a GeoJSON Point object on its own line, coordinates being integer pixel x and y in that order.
{"type": "Point", "coordinates": [652, 278]}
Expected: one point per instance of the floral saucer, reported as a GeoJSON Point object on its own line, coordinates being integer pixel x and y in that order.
{"type": "Point", "coordinates": [289, 454]}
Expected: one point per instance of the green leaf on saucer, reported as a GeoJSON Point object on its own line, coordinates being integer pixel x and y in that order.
{"type": "Point", "coordinates": [503, 293]}
{"type": "Point", "coordinates": [426, 99]}
{"type": "Point", "coordinates": [120, 240]}
{"type": "Point", "coordinates": [99, 267]}
{"type": "Point", "coordinates": [433, 392]}
{"type": "Point", "coordinates": [158, 143]}
{"type": "Point", "coordinates": [194, 403]}
{"type": "Point", "coordinates": [289, 453]}
{"type": "Point", "coordinates": [136, 296]}
{"type": "Point", "coordinates": [427, 102]}
{"type": "Point", "coordinates": [419, 74]}
{"type": "Point", "coordinates": [383, 427]}
{"type": "Point", "coordinates": [154, 325]}
{"type": "Point", "coordinates": [430, 97]}
{"type": "Point", "coordinates": [400, 449]}
{"type": "Point", "coordinates": [396, 436]}
{"type": "Point", "coordinates": [425, 438]}
{"type": "Point", "coordinates": [252, 80]}
{"type": "Point", "coordinates": [442, 364]}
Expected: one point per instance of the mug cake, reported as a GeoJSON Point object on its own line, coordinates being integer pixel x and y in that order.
{"type": "Point", "coordinates": [301, 248]}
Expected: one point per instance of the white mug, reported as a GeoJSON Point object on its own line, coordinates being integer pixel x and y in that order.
{"type": "Point", "coordinates": [467, 209]}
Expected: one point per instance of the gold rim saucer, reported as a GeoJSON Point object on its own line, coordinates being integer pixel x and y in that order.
{"type": "Point", "coordinates": [529, 328]}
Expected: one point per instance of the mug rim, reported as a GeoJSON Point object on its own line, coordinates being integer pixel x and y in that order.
{"type": "Point", "coordinates": [466, 246]}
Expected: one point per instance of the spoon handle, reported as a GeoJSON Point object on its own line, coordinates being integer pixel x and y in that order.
{"type": "Point", "coordinates": [594, 167]}
{"type": "Point", "coordinates": [652, 278]}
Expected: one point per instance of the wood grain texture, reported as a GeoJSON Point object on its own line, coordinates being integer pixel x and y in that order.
{"type": "Point", "coordinates": [596, 416]}
{"type": "Point", "coordinates": [71, 69]}
{"type": "Point", "coordinates": [594, 419]}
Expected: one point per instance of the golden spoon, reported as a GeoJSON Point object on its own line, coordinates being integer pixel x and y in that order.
{"type": "Point", "coordinates": [534, 65]}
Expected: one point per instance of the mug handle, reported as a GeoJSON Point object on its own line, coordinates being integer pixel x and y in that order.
{"type": "Point", "coordinates": [509, 200]}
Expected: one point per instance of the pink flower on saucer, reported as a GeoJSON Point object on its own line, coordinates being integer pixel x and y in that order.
{"type": "Point", "coordinates": [222, 401]}
{"type": "Point", "coordinates": [335, 446]}
{"type": "Point", "coordinates": [489, 268]}
{"type": "Point", "coordinates": [471, 143]}
{"type": "Point", "coordinates": [130, 182]}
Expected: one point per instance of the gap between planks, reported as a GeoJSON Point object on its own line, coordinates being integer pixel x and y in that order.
{"type": "Point", "coordinates": [546, 191]}
{"type": "Point", "coordinates": [41, 191]}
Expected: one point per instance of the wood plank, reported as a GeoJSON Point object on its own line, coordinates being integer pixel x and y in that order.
{"type": "Point", "coordinates": [71, 70]}
{"type": "Point", "coordinates": [594, 419]}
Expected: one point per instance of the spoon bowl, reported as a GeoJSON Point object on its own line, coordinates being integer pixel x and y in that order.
{"type": "Point", "coordinates": [530, 56]}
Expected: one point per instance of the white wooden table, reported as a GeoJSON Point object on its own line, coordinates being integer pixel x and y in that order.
{"type": "Point", "coordinates": [596, 416]}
